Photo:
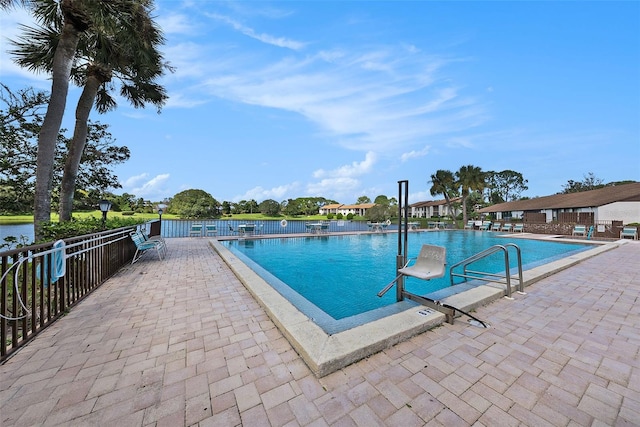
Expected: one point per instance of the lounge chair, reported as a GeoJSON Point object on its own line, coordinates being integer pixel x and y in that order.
{"type": "Point", "coordinates": [506, 227]}
{"type": "Point", "coordinates": [232, 230]}
{"type": "Point", "coordinates": [156, 238]}
{"type": "Point", "coordinates": [211, 230]}
{"type": "Point", "coordinates": [579, 230]}
{"type": "Point", "coordinates": [429, 264]}
{"type": "Point", "coordinates": [629, 232]}
{"type": "Point", "coordinates": [469, 225]}
{"type": "Point", "coordinates": [486, 225]}
{"type": "Point", "coordinates": [496, 226]}
{"type": "Point", "coordinates": [519, 228]}
{"type": "Point", "coordinates": [196, 230]}
{"type": "Point", "coordinates": [143, 245]}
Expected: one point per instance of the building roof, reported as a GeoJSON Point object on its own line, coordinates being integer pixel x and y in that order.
{"type": "Point", "coordinates": [341, 206]}
{"type": "Point", "coordinates": [331, 206]}
{"type": "Point", "coordinates": [585, 199]}
{"type": "Point", "coordinates": [360, 206]}
{"type": "Point", "coordinates": [433, 203]}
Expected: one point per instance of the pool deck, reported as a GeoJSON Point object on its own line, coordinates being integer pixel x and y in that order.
{"type": "Point", "coordinates": [182, 342]}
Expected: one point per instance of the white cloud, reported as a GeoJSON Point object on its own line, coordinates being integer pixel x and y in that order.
{"type": "Point", "coordinates": [176, 23]}
{"type": "Point", "coordinates": [334, 188]}
{"type": "Point", "coordinates": [181, 101]}
{"type": "Point", "coordinates": [276, 193]}
{"type": "Point", "coordinates": [10, 21]}
{"type": "Point", "coordinates": [421, 196]}
{"type": "Point", "coordinates": [378, 100]}
{"type": "Point", "coordinates": [154, 188]}
{"type": "Point", "coordinates": [351, 170]}
{"type": "Point", "coordinates": [134, 180]}
{"type": "Point", "coordinates": [265, 38]}
{"type": "Point", "coordinates": [413, 154]}
{"type": "Point", "coordinates": [341, 183]}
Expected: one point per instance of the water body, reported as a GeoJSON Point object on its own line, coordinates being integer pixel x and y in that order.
{"type": "Point", "coordinates": [18, 231]}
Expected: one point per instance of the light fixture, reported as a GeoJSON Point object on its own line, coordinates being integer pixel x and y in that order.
{"type": "Point", "coordinates": [105, 205]}
{"type": "Point", "coordinates": [161, 207]}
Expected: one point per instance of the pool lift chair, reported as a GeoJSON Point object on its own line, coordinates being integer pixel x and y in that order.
{"type": "Point", "coordinates": [430, 264]}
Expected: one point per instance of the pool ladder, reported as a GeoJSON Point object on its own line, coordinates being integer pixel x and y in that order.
{"type": "Point", "coordinates": [491, 277]}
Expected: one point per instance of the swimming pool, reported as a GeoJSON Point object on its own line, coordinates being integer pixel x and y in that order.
{"type": "Point", "coordinates": [335, 279]}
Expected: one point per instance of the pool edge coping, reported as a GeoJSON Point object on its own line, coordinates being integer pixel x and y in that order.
{"type": "Point", "coordinates": [325, 354]}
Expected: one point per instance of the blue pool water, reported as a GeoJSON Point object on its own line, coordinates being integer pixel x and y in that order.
{"type": "Point", "coordinates": [341, 275]}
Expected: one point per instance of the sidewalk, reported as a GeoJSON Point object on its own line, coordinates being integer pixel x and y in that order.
{"type": "Point", "coordinates": [181, 342]}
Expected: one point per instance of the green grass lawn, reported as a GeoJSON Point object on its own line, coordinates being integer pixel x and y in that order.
{"type": "Point", "coordinates": [22, 219]}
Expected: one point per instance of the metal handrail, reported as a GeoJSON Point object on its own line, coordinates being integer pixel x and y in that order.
{"type": "Point", "coordinates": [39, 283]}
{"type": "Point", "coordinates": [488, 277]}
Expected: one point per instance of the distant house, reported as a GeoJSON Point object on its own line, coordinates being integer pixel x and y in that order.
{"type": "Point", "coordinates": [433, 208]}
{"type": "Point", "coordinates": [332, 208]}
{"type": "Point", "coordinates": [620, 202]}
{"type": "Point", "coordinates": [358, 210]}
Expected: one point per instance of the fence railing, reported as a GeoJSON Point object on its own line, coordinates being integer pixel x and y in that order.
{"type": "Point", "coordinates": [39, 283]}
{"type": "Point", "coordinates": [182, 228]}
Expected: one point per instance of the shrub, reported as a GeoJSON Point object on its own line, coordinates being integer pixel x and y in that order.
{"type": "Point", "coordinates": [52, 231]}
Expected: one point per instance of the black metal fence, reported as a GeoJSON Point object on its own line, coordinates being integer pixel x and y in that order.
{"type": "Point", "coordinates": [39, 283]}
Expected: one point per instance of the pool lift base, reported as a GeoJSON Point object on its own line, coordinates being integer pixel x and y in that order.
{"type": "Point", "coordinates": [446, 309]}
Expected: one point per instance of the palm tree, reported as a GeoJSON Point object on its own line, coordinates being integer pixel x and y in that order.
{"type": "Point", "coordinates": [130, 55]}
{"type": "Point", "coordinates": [469, 178]}
{"type": "Point", "coordinates": [124, 45]}
{"type": "Point", "coordinates": [444, 183]}
{"type": "Point", "coordinates": [73, 20]}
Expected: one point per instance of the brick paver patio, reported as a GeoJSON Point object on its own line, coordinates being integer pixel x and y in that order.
{"type": "Point", "coordinates": [181, 342]}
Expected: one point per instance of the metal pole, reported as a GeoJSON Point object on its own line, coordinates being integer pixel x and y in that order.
{"type": "Point", "coordinates": [401, 258]}
{"type": "Point", "coordinates": [399, 217]}
{"type": "Point", "coordinates": [406, 218]}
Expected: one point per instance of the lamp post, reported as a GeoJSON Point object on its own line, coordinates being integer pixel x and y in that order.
{"type": "Point", "coordinates": [161, 207]}
{"type": "Point", "coordinates": [105, 205]}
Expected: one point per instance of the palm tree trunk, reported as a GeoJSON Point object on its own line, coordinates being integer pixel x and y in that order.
{"type": "Point", "coordinates": [62, 62]}
{"type": "Point", "coordinates": [464, 209]}
{"type": "Point", "coordinates": [447, 201]}
{"type": "Point", "coordinates": [78, 142]}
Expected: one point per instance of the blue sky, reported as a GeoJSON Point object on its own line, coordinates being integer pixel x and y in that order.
{"type": "Point", "coordinates": [278, 100]}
